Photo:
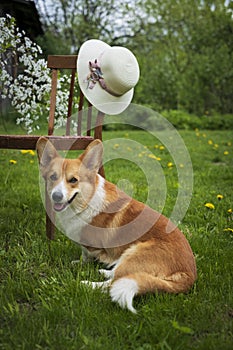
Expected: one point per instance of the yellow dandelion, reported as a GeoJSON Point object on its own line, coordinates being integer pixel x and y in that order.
{"type": "Point", "coordinates": [197, 134]}
{"type": "Point", "coordinates": [116, 145]}
{"type": "Point", "coordinates": [219, 196]}
{"type": "Point", "coordinates": [152, 156]}
{"type": "Point", "coordinates": [156, 146]}
{"type": "Point", "coordinates": [170, 164]}
{"type": "Point", "coordinates": [210, 142]}
{"type": "Point", "coordinates": [225, 153]}
{"type": "Point", "coordinates": [230, 211]}
{"type": "Point", "coordinates": [161, 148]}
{"type": "Point", "coordinates": [204, 135]}
{"type": "Point", "coordinates": [215, 145]}
{"type": "Point", "coordinates": [12, 161]}
{"type": "Point", "coordinates": [210, 206]}
{"type": "Point", "coordinates": [229, 143]}
{"type": "Point", "coordinates": [28, 151]}
{"type": "Point", "coordinates": [228, 229]}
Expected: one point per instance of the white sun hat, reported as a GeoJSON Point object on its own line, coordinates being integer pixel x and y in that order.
{"type": "Point", "coordinates": [107, 75]}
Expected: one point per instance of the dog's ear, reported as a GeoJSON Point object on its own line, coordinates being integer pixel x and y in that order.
{"type": "Point", "coordinates": [92, 157]}
{"type": "Point", "coordinates": [45, 151]}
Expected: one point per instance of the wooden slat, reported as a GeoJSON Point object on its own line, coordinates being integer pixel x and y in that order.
{"type": "Point", "coordinates": [29, 142]}
{"type": "Point", "coordinates": [71, 142]}
{"type": "Point", "coordinates": [52, 102]}
{"type": "Point", "coordinates": [99, 126]}
{"type": "Point", "coordinates": [98, 134]}
{"type": "Point", "coordinates": [70, 102]}
{"type": "Point", "coordinates": [89, 118]}
{"type": "Point", "coordinates": [62, 61]}
{"type": "Point", "coordinates": [80, 111]}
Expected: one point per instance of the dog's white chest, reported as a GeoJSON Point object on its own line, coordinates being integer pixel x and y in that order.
{"type": "Point", "coordinates": [73, 223]}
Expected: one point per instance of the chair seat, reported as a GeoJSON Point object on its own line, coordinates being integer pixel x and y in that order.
{"type": "Point", "coordinates": [60, 142]}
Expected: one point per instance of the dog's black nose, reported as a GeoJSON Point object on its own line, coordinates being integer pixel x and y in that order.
{"type": "Point", "coordinates": [57, 197]}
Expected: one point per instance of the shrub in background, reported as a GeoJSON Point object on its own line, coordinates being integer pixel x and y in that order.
{"type": "Point", "coordinates": [184, 120]}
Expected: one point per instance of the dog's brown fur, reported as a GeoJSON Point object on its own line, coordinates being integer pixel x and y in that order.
{"type": "Point", "coordinates": [159, 259]}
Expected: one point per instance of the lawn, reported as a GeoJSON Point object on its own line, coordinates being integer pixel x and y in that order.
{"type": "Point", "coordinates": [43, 303]}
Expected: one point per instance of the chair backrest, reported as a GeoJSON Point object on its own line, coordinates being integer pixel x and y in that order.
{"type": "Point", "coordinates": [70, 62]}
{"type": "Point", "coordinates": [56, 62]}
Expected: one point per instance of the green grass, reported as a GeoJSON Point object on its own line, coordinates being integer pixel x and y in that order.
{"type": "Point", "coordinates": [43, 304]}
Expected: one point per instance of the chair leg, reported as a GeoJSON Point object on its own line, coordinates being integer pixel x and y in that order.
{"type": "Point", "coordinates": [98, 134]}
{"type": "Point", "coordinates": [50, 228]}
{"type": "Point", "coordinates": [101, 171]}
{"type": "Point", "coordinates": [50, 218]}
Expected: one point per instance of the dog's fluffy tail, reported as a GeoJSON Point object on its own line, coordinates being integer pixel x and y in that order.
{"type": "Point", "coordinates": [124, 289]}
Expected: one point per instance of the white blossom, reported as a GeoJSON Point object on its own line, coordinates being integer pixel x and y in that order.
{"type": "Point", "coordinates": [30, 91]}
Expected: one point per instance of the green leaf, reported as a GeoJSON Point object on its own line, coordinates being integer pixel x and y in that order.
{"type": "Point", "coordinates": [182, 329]}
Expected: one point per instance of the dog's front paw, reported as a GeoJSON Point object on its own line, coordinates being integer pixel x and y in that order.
{"type": "Point", "coordinates": [106, 273]}
{"type": "Point", "coordinates": [95, 285]}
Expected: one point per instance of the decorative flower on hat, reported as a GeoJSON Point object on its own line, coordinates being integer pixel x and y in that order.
{"type": "Point", "coordinates": [95, 75]}
{"type": "Point", "coordinates": [107, 75]}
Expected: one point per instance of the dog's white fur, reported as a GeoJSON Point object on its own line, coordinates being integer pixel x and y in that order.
{"type": "Point", "coordinates": [95, 214]}
{"type": "Point", "coordinates": [74, 224]}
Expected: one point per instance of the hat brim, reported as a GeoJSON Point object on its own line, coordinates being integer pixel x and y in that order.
{"type": "Point", "coordinates": [98, 97]}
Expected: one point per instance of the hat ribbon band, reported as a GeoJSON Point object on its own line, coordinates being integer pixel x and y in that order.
{"type": "Point", "coordinates": [95, 76]}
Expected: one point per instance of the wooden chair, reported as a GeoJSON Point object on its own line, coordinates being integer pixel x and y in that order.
{"type": "Point", "coordinates": [67, 142]}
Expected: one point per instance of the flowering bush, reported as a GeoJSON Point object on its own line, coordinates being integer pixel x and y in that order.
{"type": "Point", "coordinates": [28, 91]}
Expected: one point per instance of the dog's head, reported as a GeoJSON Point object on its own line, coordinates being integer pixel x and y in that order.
{"type": "Point", "coordinates": [70, 182]}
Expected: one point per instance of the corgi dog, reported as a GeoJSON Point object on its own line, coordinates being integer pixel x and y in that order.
{"type": "Point", "coordinates": [142, 249]}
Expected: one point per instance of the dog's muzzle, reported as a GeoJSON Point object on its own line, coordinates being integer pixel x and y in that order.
{"type": "Point", "coordinates": [57, 197]}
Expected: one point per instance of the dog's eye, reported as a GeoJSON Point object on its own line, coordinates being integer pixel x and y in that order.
{"type": "Point", "coordinates": [73, 180]}
{"type": "Point", "coordinates": [53, 177]}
